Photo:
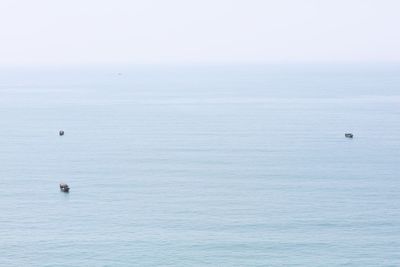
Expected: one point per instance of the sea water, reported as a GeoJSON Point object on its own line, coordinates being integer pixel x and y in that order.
{"type": "Point", "coordinates": [200, 166]}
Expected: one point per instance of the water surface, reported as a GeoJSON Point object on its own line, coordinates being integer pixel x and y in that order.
{"type": "Point", "coordinates": [200, 166]}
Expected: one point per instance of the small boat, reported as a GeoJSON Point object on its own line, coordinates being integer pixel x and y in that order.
{"type": "Point", "coordinates": [61, 133]}
{"type": "Point", "coordinates": [348, 135]}
{"type": "Point", "coordinates": [64, 187]}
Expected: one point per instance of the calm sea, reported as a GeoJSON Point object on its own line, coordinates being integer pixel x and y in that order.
{"type": "Point", "coordinates": [200, 166]}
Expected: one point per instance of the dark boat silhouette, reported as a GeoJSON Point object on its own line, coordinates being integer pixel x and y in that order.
{"type": "Point", "coordinates": [348, 135]}
{"type": "Point", "coordinates": [64, 187]}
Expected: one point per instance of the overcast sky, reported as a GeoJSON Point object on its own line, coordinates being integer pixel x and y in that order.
{"type": "Point", "coordinates": [60, 32]}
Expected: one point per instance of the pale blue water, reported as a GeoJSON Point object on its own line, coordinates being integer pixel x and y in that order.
{"type": "Point", "coordinates": [200, 166]}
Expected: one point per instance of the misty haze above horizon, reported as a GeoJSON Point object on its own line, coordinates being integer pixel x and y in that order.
{"type": "Point", "coordinates": [45, 32]}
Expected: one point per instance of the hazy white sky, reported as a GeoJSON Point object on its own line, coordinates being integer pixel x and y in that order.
{"type": "Point", "coordinates": [37, 32]}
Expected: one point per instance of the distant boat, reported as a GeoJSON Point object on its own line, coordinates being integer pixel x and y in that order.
{"type": "Point", "coordinates": [348, 135]}
{"type": "Point", "coordinates": [61, 132]}
{"type": "Point", "coordinates": [64, 187]}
